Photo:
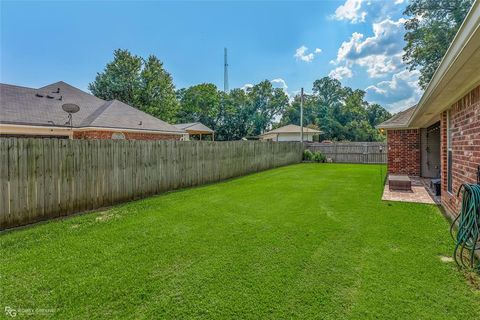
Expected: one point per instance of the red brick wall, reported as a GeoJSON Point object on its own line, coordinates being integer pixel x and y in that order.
{"type": "Point", "coordinates": [100, 134]}
{"type": "Point", "coordinates": [404, 151]}
{"type": "Point", "coordinates": [465, 121]}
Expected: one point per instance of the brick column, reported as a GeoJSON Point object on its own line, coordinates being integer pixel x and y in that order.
{"type": "Point", "coordinates": [404, 151]}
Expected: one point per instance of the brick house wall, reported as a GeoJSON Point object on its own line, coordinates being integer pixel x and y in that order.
{"type": "Point", "coordinates": [101, 134]}
{"type": "Point", "coordinates": [465, 134]}
{"type": "Point", "coordinates": [403, 151]}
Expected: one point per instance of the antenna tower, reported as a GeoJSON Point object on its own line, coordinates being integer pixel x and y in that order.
{"type": "Point", "coordinates": [225, 72]}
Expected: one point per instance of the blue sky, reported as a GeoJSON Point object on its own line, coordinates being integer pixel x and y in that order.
{"type": "Point", "coordinates": [290, 43]}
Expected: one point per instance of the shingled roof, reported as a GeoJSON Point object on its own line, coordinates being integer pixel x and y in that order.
{"type": "Point", "coordinates": [399, 120]}
{"type": "Point", "coordinates": [43, 107]}
{"type": "Point", "coordinates": [291, 128]}
{"type": "Point", "coordinates": [194, 126]}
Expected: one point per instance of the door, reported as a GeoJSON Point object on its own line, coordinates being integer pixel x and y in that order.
{"type": "Point", "coordinates": [430, 145]}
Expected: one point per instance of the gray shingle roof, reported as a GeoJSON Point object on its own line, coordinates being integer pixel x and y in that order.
{"type": "Point", "coordinates": [399, 120]}
{"type": "Point", "coordinates": [291, 128]}
{"type": "Point", "coordinates": [43, 107]}
{"type": "Point", "coordinates": [193, 126]}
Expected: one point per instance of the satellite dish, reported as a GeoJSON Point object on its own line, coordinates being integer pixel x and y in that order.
{"type": "Point", "coordinates": [70, 108]}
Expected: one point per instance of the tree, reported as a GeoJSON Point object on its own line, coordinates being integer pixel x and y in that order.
{"type": "Point", "coordinates": [266, 104]}
{"type": "Point", "coordinates": [200, 103]}
{"type": "Point", "coordinates": [232, 115]}
{"type": "Point", "coordinates": [341, 113]}
{"type": "Point", "coordinates": [329, 96]}
{"type": "Point", "coordinates": [361, 130]}
{"type": "Point", "coordinates": [376, 114]}
{"type": "Point", "coordinates": [120, 79]}
{"type": "Point", "coordinates": [291, 115]}
{"type": "Point", "coordinates": [430, 30]}
{"type": "Point", "coordinates": [234, 121]}
{"type": "Point", "coordinates": [354, 107]}
{"type": "Point", "coordinates": [157, 93]}
{"type": "Point", "coordinates": [329, 91]}
{"type": "Point", "coordinates": [143, 84]}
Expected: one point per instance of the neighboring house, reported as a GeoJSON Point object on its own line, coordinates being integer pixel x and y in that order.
{"type": "Point", "coordinates": [27, 112]}
{"type": "Point", "coordinates": [196, 130]}
{"type": "Point", "coordinates": [440, 136]}
{"type": "Point", "coordinates": [290, 132]}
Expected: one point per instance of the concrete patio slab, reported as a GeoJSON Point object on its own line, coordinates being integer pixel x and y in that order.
{"type": "Point", "coordinates": [419, 194]}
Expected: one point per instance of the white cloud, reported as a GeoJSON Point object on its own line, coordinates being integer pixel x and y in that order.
{"type": "Point", "coordinates": [398, 93]}
{"type": "Point", "coordinates": [349, 46]}
{"type": "Point", "coordinates": [246, 86]}
{"type": "Point", "coordinates": [341, 72]}
{"type": "Point", "coordinates": [302, 54]}
{"type": "Point", "coordinates": [380, 54]}
{"type": "Point", "coordinates": [380, 65]}
{"type": "Point", "coordinates": [276, 83]}
{"type": "Point", "coordinates": [387, 39]}
{"type": "Point", "coordinates": [280, 82]}
{"type": "Point", "coordinates": [351, 10]}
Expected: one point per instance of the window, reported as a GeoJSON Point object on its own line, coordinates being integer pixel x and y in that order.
{"type": "Point", "coordinates": [118, 136]}
{"type": "Point", "coordinates": [449, 153]}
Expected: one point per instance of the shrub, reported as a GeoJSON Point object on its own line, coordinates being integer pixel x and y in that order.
{"type": "Point", "coordinates": [307, 155]}
{"type": "Point", "coordinates": [319, 157]}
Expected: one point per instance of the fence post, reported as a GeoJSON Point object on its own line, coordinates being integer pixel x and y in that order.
{"type": "Point", "coordinates": [365, 154]}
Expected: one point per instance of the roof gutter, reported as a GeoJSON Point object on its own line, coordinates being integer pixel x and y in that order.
{"type": "Point", "coordinates": [393, 127]}
{"type": "Point", "coordinates": [129, 130]}
{"type": "Point", "coordinates": [76, 129]}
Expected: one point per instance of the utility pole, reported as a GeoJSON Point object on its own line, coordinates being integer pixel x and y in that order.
{"type": "Point", "coordinates": [225, 72]}
{"type": "Point", "coordinates": [301, 115]}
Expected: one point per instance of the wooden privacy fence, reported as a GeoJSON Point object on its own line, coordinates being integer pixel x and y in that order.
{"type": "Point", "coordinates": [47, 178]}
{"type": "Point", "coordinates": [352, 152]}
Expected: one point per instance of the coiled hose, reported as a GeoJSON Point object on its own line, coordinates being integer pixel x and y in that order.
{"type": "Point", "coordinates": [467, 240]}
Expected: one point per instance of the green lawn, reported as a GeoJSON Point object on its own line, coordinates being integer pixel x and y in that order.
{"type": "Point", "coordinates": [303, 241]}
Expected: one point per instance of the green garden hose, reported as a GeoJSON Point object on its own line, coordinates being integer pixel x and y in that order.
{"type": "Point", "coordinates": [467, 240]}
